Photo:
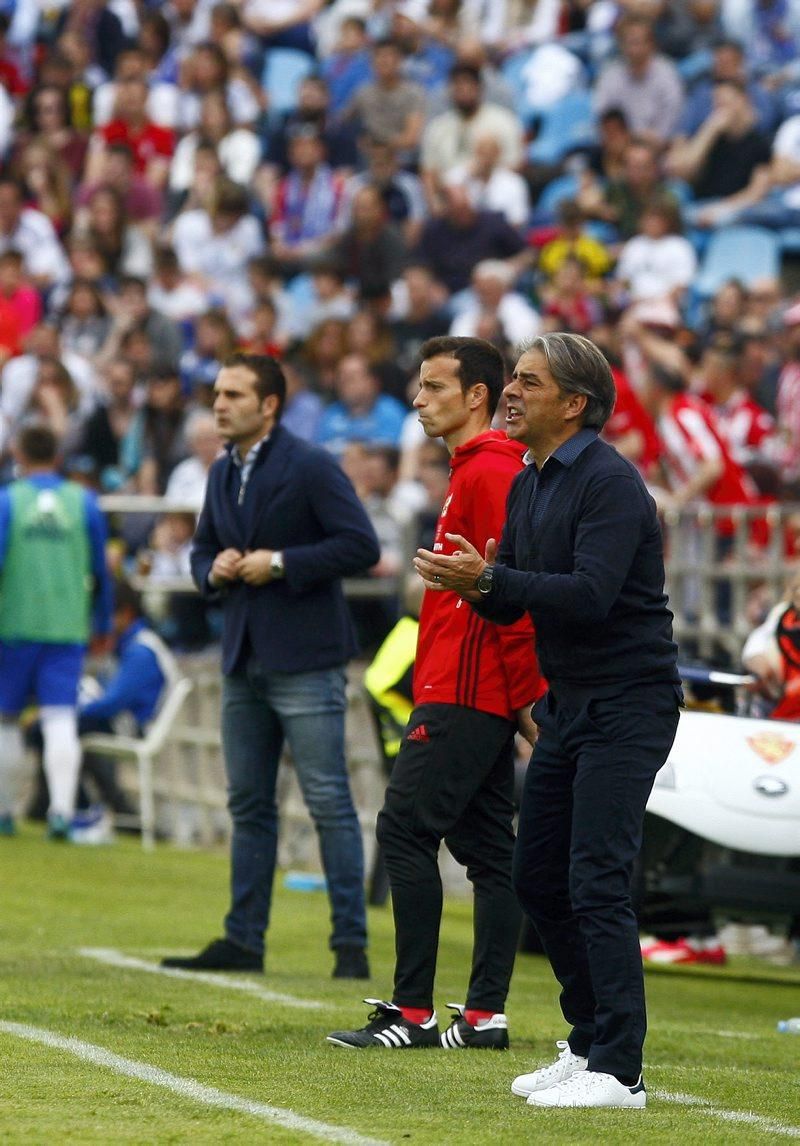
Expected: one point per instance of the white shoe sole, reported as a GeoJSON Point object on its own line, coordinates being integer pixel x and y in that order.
{"type": "Point", "coordinates": [587, 1105]}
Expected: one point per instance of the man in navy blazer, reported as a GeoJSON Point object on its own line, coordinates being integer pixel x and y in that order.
{"type": "Point", "coordinates": [281, 525]}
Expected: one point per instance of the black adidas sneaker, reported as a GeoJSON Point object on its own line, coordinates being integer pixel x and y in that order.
{"type": "Point", "coordinates": [388, 1028]}
{"type": "Point", "coordinates": [491, 1034]}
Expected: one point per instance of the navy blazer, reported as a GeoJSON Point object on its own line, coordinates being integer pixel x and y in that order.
{"type": "Point", "coordinates": [299, 501]}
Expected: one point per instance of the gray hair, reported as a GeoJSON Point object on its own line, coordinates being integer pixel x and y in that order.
{"type": "Point", "coordinates": [578, 367]}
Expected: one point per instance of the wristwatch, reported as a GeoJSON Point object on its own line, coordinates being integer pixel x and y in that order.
{"type": "Point", "coordinates": [276, 565]}
{"type": "Point", "coordinates": [485, 581]}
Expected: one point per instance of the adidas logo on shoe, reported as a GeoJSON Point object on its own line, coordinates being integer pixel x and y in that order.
{"type": "Point", "coordinates": [489, 1034]}
{"type": "Point", "coordinates": [387, 1028]}
{"type": "Point", "coordinates": [420, 734]}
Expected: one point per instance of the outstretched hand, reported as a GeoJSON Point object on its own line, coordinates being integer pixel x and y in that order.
{"type": "Point", "coordinates": [457, 571]}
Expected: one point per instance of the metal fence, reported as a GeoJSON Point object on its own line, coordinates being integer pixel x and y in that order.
{"type": "Point", "coordinates": [716, 559]}
{"type": "Point", "coordinates": [713, 567]}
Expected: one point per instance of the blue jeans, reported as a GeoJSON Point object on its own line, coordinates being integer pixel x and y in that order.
{"type": "Point", "coordinates": [259, 710]}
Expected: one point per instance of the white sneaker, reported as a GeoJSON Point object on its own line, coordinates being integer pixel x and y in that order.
{"type": "Point", "coordinates": [591, 1088]}
{"type": "Point", "coordinates": [565, 1065]}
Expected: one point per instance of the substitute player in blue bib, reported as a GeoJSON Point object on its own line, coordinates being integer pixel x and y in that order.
{"type": "Point", "coordinates": [54, 593]}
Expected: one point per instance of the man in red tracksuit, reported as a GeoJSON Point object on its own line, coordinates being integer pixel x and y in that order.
{"type": "Point", "coordinates": [474, 683]}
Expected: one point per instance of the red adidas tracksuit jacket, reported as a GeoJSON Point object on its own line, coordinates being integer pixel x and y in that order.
{"type": "Point", "coordinates": [461, 658]}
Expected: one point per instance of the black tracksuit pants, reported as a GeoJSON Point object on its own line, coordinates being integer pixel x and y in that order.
{"type": "Point", "coordinates": [453, 780]}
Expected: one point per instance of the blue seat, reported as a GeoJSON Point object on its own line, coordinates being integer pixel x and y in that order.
{"type": "Point", "coordinates": [568, 125]}
{"type": "Point", "coordinates": [284, 71]}
{"type": "Point", "coordinates": [695, 66]}
{"type": "Point", "coordinates": [738, 252]}
{"type": "Point", "coordinates": [555, 192]}
{"type": "Point", "coordinates": [512, 70]}
{"type": "Point", "coordinates": [790, 239]}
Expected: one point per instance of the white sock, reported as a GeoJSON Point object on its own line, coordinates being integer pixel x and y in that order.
{"type": "Point", "coordinates": [12, 765]}
{"type": "Point", "coordinates": [62, 757]}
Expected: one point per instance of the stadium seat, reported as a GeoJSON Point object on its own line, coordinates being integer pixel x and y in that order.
{"type": "Point", "coordinates": [790, 239]}
{"type": "Point", "coordinates": [284, 71]}
{"type": "Point", "coordinates": [744, 253]}
{"type": "Point", "coordinates": [555, 192]}
{"type": "Point", "coordinates": [568, 125]}
{"type": "Point", "coordinates": [541, 78]}
{"type": "Point", "coordinates": [144, 751]}
{"type": "Point", "coordinates": [695, 66]}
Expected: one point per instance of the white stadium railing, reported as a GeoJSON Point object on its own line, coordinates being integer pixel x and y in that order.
{"type": "Point", "coordinates": [189, 782]}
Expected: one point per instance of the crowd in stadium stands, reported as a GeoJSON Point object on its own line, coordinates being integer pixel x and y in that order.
{"type": "Point", "coordinates": [334, 182]}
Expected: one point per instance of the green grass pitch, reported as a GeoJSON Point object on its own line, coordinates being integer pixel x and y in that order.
{"type": "Point", "coordinates": [717, 1071]}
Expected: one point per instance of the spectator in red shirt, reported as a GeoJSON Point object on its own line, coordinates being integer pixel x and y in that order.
{"type": "Point", "coordinates": [10, 76]}
{"type": "Point", "coordinates": [696, 459]}
{"type": "Point", "coordinates": [747, 428]}
{"type": "Point", "coordinates": [20, 305]}
{"type": "Point", "coordinates": [152, 146]}
{"type": "Point", "coordinates": [630, 428]}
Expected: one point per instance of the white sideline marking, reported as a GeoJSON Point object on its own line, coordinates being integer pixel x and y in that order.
{"type": "Point", "coordinates": [188, 1087]}
{"type": "Point", "coordinates": [114, 958]}
{"type": "Point", "coordinates": [747, 1035]}
{"type": "Point", "coordinates": [759, 1121]}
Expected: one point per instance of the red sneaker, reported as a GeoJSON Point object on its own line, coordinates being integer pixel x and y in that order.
{"type": "Point", "coordinates": [683, 951]}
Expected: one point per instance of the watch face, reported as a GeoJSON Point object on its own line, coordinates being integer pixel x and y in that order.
{"type": "Point", "coordinates": [484, 582]}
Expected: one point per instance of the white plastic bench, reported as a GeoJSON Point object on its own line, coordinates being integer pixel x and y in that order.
{"type": "Point", "coordinates": [144, 751]}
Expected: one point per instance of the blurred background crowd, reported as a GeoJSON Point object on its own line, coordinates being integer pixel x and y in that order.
{"type": "Point", "coordinates": [333, 183]}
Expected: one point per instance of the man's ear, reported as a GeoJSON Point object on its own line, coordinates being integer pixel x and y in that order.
{"type": "Point", "coordinates": [269, 405]}
{"type": "Point", "coordinates": [576, 406]}
{"type": "Point", "coordinates": [477, 395]}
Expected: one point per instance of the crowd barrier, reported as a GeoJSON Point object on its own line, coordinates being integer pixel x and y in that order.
{"type": "Point", "coordinates": [723, 564]}
{"type": "Point", "coordinates": [713, 567]}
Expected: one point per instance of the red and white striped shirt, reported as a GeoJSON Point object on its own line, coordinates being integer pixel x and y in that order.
{"type": "Point", "coordinates": [690, 436]}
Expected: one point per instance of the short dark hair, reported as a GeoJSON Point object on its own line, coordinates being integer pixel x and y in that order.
{"type": "Point", "coordinates": [38, 444]}
{"type": "Point", "coordinates": [126, 281]}
{"type": "Point", "coordinates": [578, 366]}
{"type": "Point", "coordinates": [267, 373]}
{"type": "Point", "coordinates": [614, 115]}
{"type": "Point", "coordinates": [7, 180]}
{"type": "Point", "coordinates": [737, 85]}
{"type": "Point", "coordinates": [230, 198]}
{"type": "Point", "coordinates": [728, 43]}
{"type": "Point", "coordinates": [166, 259]}
{"type": "Point", "coordinates": [465, 71]}
{"type": "Point", "coordinates": [126, 597]}
{"type": "Point", "coordinates": [667, 209]}
{"type": "Point", "coordinates": [478, 361]}
{"type": "Point", "coordinates": [667, 378]}
{"type": "Point", "coordinates": [122, 149]}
